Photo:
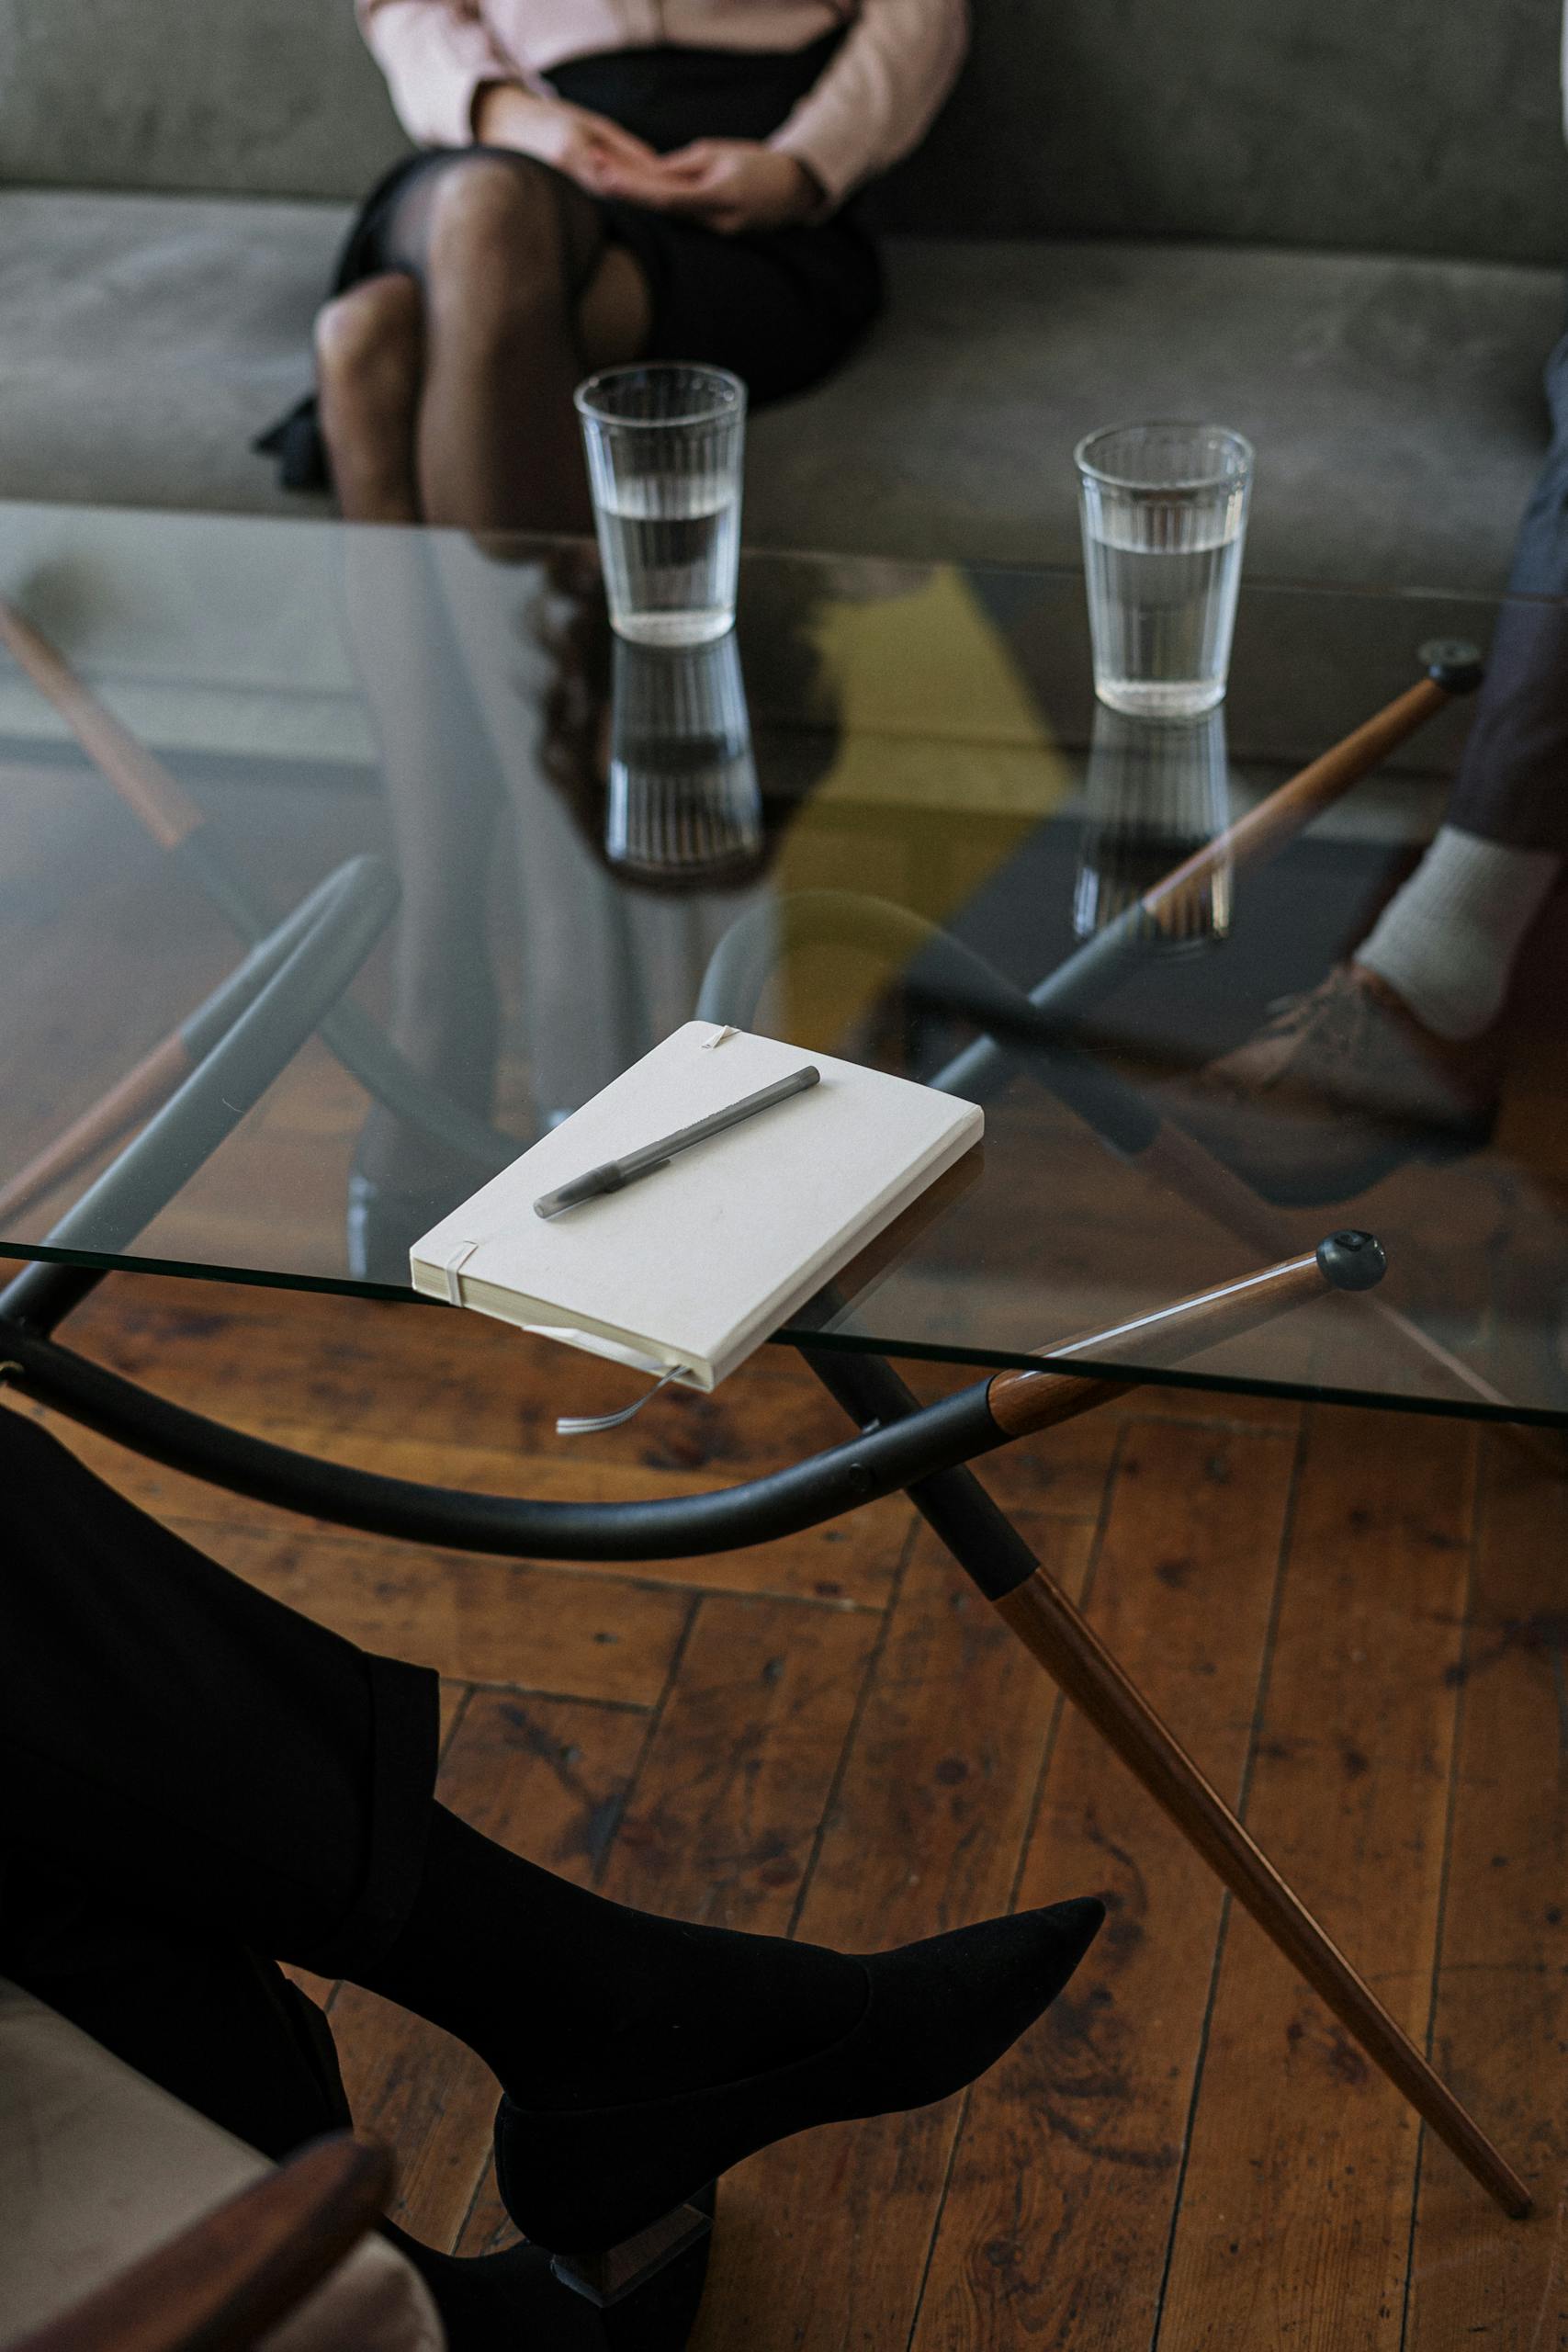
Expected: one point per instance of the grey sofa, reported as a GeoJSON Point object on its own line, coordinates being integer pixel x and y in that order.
{"type": "Point", "coordinates": [1338, 227]}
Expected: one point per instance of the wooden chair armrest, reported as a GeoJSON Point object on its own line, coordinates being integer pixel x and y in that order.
{"type": "Point", "coordinates": [224, 2281]}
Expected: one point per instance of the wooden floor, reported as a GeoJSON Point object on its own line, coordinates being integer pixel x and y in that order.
{"type": "Point", "coordinates": [1358, 1621]}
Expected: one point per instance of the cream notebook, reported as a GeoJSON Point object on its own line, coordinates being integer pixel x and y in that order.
{"type": "Point", "coordinates": [686, 1271]}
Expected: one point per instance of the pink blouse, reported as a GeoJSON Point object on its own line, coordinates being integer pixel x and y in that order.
{"type": "Point", "coordinates": [874, 103]}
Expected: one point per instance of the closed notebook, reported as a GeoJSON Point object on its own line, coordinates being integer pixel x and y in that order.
{"type": "Point", "coordinates": [686, 1271]}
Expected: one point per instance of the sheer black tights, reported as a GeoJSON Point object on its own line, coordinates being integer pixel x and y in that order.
{"type": "Point", "coordinates": [578, 219]}
{"type": "Point", "coordinates": [447, 373]}
{"type": "Point", "coordinates": [446, 379]}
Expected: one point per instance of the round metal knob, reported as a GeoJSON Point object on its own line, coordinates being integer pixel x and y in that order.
{"type": "Point", "coordinates": [1453, 663]}
{"type": "Point", "coordinates": [1352, 1260]}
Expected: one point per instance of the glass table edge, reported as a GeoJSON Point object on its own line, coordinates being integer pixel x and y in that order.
{"type": "Point", "coordinates": [519, 544]}
{"type": "Point", "coordinates": [789, 1335]}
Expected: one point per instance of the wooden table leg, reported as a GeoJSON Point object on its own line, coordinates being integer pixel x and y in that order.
{"type": "Point", "coordinates": [1066, 1646]}
{"type": "Point", "coordinates": [994, 1555]}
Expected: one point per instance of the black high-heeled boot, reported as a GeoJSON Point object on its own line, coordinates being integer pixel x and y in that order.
{"type": "Point", "coordinates": [487, 2302]}
{"type": "Point", "coordinates": [641, 2055]}
{"type": "Point", "coordinates": [586, 2180]}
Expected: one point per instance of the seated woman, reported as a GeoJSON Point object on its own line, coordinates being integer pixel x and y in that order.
{"type": "Point", "coordinates": [604, 181]}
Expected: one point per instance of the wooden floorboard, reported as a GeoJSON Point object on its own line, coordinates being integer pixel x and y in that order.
{"type": "Point", "coordinates": [834, 1738]}
{"type": "Point", "coordinates": [1478, 2283]}
{"type": "Point", "coordinates": [1077, 2139]}
{"type": "Point", "coordinates": [1300, 2174]}
{"type": "Point", "coordinates": [924, 1834]}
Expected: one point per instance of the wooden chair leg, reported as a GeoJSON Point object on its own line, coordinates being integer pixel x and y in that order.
{"type": "Point", "coordinates": [1066, 1646]}
{"type": "Point", "coordinates": [134, 1098]}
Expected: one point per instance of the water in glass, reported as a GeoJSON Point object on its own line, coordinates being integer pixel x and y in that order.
{"type": "Point", "coordinates": [669, 544]}
{"type": "Point", "coordinates": [664, 444]}
{"type": "Point", "coordinates": [1162, 589]}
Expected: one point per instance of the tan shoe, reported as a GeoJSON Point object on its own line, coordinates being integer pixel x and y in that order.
{"type": "Point", "coordinates": [1342, 1085]}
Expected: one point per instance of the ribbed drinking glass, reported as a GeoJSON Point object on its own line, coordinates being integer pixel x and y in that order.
{"type": "Point", "coordinates": [664, 444]}
{"type": "Point", "coordinates": [1155, 792]}
{"type": "Point", "coordinates": [684, 804]}
{"type": "Point", "coordinates": [1164, 511]}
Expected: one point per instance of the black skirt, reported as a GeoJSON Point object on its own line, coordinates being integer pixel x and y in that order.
{"type": "Point", "coordinates": [780, 307]}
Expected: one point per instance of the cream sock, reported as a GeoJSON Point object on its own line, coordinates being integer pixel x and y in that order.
{"type": "Point", "coordinates": [1446, 942]}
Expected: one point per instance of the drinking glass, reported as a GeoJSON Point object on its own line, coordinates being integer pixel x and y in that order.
{"type": "Point", "coordinates": [1157, 791]}
{"type": "Point", "coordinates": [1164, 513]}
{"type": "Point", "coordinates": [684, 804]}
{"type": "Point", "coordinates": [664, 444]}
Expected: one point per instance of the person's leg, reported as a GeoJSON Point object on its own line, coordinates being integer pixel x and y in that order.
{"type": "Point", "coordinates": [1448, 941]}
{"type": "Point", "coordinates": [183, 1745]}
{"type": "Point", "coordinates": [370, 367]}
{"type": "Point", "coordinates": [1396, 1050]}
{"type": "Point", "coordinates": [614, 310]}
{"type": "Point", "coordinates": [180, 1743]}
{"type": "Point", "coordinates": [224, 2032]}
{"type": "Point", "coordinates": [1539, 566]}
{"type": "Point", "coordinates": [529, 638]}
{"type": "Point", "coordinates": [445, 378]}
{"type": "Point", "coordinates": [212, 2022]}
{"type": "Point", "coordinates": [186, 1747]}
{"type": "Point", "coordinates": [507, 253]}
{"type": "Point", "coordinates": [454, 223]}
{"type": "Point", "coordinates": [442, 796]}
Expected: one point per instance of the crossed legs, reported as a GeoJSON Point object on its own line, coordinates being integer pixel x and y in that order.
{"type": "Point", "coordinates": [446, 387]}
{"type": "Point", "coordinates": [446, 379]}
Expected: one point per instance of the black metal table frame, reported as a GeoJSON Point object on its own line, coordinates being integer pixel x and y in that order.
{"type": "Point", "coordinates": [248, 1032]}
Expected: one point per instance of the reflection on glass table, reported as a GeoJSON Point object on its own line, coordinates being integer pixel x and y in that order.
{"type": "Point", "coordinates": [1157, 792]}
{"type": "Point", "coordinates": [921, 737]}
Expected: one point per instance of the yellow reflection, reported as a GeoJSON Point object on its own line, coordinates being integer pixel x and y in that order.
{"type": "Point", "coordinates": [946, 763]}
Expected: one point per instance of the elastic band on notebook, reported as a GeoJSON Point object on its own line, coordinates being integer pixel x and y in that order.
{"type": "Point", "coordinates": [584, 1425]}
{"type": "Point", "coordinates": [452, 1266]}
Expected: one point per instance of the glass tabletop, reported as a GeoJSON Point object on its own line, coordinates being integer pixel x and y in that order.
{"type": "Point", "coordinates": [592, 838]}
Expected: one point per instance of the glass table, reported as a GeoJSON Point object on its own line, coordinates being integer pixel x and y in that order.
{"type": "Point", "coordinates": [924, 737]}
{"type": "Point", "coordinates": [349, 859]}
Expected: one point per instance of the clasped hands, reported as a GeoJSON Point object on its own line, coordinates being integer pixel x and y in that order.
{"type": "Point", "coordinates": [730, 185]}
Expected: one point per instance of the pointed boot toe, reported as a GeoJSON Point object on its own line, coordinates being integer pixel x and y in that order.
{"type": "Point", "coordinates": [937, 2015]}
{"type": "Point", "coordinates": [945, 2011]}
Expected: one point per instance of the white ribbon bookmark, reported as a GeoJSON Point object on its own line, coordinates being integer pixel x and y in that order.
{"type": "Point", "coordinates": [452, 1266]}
{"type": "Point", "coordinates": [586, 1424]}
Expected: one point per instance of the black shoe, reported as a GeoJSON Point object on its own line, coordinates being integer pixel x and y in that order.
{"type": "Point", "coordinates": [1340, 1088]}
{"type": "Point", "coordinates": [937, 2014]}
{"type": "Point", "coordinates": [520, 2297]}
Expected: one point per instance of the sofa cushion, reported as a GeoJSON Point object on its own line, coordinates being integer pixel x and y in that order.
{"type": "Point", "coordinates": [148, 338]}
{"type": "Point", "coordinates": [98, 2167]}
{"type": "Point", "coordinates": [1395, 405]}
{"type": "Point", "coordinates": [1406, 127]}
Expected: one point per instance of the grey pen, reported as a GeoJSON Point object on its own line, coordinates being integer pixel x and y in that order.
{"type": "Point", "coordinates": [612, 1174]}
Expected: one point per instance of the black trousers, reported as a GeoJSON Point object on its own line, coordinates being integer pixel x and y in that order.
{"type": "Point", "coordinates": [1513, 784]}
{"type": "Point", "coordinates": [196, 1782]}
